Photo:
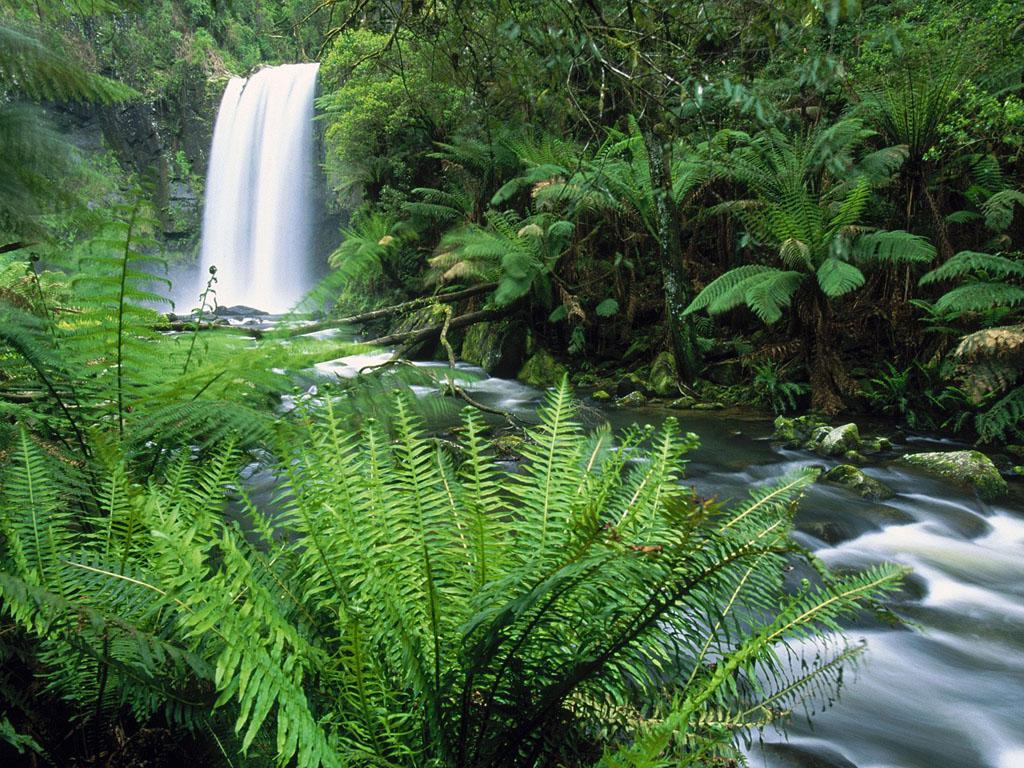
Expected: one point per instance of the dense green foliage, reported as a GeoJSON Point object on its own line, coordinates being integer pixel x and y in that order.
{"type": "Point", "coordinates": [863, 144]}
{"type": "Point", "coordinates": [823, 197]}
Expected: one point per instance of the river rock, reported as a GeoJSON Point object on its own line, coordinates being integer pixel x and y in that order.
{"type": "Point", "coordinates": [542, 370]}
{"type": "Point", "coordinates": [728, 373]}
{"type": "Point", "coordinates": [663, 379]}
{"type": "Point", "coordinates": [632, 400]}
{"type": "Point", "coordinates": [709, 406]}
{"type": "Point", "coordinates": [794, 432]}
{"type": "Point", "coordinates": [601, 396]}
{"type": "Point", "coordinates": [499, 348]}
{"type": "Point", "coordinates": [864, 486]}
{"type": "Point", "coordinates": [876, 444]}
{"type": "Point", "coordinates": [840, 440]}
{"type": "Point", "coordinates": [971, 469]}
{"type": "Point", "coordinates": [629, 383]}
{"type": "Point", "coordinates": [238, 310]}
{"type": "Point", "coordinates": [786, 755]}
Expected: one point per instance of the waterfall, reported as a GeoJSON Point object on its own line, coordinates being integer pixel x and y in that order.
{"type": "Point", "coordinates": [259, 190]}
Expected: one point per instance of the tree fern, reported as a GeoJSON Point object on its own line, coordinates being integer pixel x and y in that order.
{"type": "Point", "coordinates": [988, 362]}
{"type": "Point", "coordinates": [975, 297]}
{"type": "Point", "coordinates": [836, 277]}
{"type": "Point", "coordinates": [809, 198]}
{"type": "Point", "coordinates": [40, 72]}
{"type": "Point", "coordinates": [516, 252]}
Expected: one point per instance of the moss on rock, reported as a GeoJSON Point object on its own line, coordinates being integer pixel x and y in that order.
{"type": "Point", "coordinates": [683, 402]}
{"type": "Point", "coordinates": [971, 469]}
{"type": "Point", "coordinates": [840, 440]}
{"type": "Point", "coordinates": [632, 400]}
{"type": "Point", "coordinates": [542, 370]}
{"type": "Point", "coordinates": [848, 476]}
{"type": "Point", "coordinates": [499, 347]}
{"type": "Point", "coordinates": [508, 446]}
{"type": "Point", "coordinates": [795, 433]}
{"type": "Point", "coordinates": [663, 379]}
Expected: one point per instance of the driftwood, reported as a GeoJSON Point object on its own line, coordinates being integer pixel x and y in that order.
{"type": "Point", "coordinates": [395, 309]}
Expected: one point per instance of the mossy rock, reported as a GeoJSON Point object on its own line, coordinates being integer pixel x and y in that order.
{"type": "Point", "coordinates": [727, 373]}
{"type": "Point", "coordinates": [663, 379]}
{"type": "Point", "coordinates": [499, 348]}
{"type": "Point", "coordinates": [876, 444]}
{"type": "Point", "coordinates": [970, 469]}
{"type": "Point", "coordinates": [848, 476]}
{"type": "Point", "coordinates": [601, 396]}
{"type": "Point", "coordinates": [632, 400]}
{"type": "Point", "coordinates": [796, 432]}
{"type": "Point", "coordinates": [840, 440]}
{"type": "Point", "coordinates": [708, 406]}
{"type": "Point", "coordinates": [542, 370]}
{"type": "Point", "coordinates": [629, 383]}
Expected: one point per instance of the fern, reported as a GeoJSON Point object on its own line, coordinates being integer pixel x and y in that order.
{"type": "Point", "coordinates": [896, 247]}
{"type": "Point", "coordinates": [808, 201]}
{"type": "Point", "coordinates": [836, 278]}
{"type": "Point", "coordinates": [517, 253]}
{"type": "Point", "coordinates": [987, 362]}
{"type": "Point", "coordinates": [43, 73]}
{"type": "Point", "coordinates": [975, 297]}
{"type": "Point", "coordinates": [966, 263]}
{"type": "Point", "coordinates": [402, 610]}
{"type": "Point", "coordinates": [998, 208]}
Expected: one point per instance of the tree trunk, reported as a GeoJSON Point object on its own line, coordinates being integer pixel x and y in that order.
{"type": "Point", "coordinates": [675, 280]}
{"type": "Point", "coordinates": [829, 381]}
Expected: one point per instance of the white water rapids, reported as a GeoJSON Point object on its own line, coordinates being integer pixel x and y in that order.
{"type": "Point", "coordinates": [257, 219]}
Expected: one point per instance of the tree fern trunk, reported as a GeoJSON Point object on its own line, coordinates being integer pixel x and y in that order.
{"type": "Point", "coordinates": [675, 280]}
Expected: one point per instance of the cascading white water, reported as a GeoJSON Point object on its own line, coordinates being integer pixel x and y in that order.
{"type": "Point", "coordinates": [259, 190]}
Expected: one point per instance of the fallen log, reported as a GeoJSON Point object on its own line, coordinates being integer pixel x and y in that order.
{"type": "Point", "coordinates": [394, 309]}
{"type": "Point", "coordinates": [425, 334]}
{"type": "Point", "coordinates": [189, 326]}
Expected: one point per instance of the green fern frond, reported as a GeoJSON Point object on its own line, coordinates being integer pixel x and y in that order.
{"type": "Point", "coordinates": [1005, 418]}
{"type": "Point", "coordinates": [977, 297]}
{"type": "Point", "coordinates": [41, 72]}
{"type": "Point", "coordinates": [998, 208]}
{"type": "Point", "coordinates": [765, 290]}
{"type": "Point", "coordinates": [966, 263]}
{"type": "Point", "coordinates": [723, 286]}
{"type": "Point", "coordinates": [836, 278]}
{"type": "Point", "coordinates": [894, 246]}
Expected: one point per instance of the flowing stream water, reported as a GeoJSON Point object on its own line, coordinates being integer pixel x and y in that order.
{"type": "Point", "coordinates": [947, 694]}
{"type": "Point", "coordinates": [257, 218]}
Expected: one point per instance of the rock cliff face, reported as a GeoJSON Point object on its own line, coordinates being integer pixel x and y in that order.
{"type": "Point", "coordinates": [166, 144]}
{"type": "Point", "coordinates": [163, 142]}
